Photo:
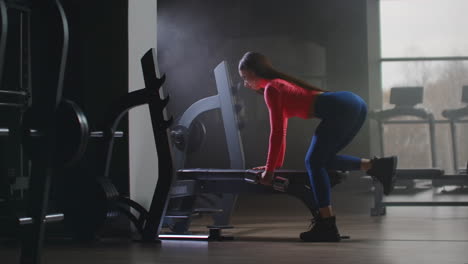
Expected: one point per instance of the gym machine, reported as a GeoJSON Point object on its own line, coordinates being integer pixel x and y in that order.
{"type": "Point", "coordinates": [15, 82]}
{"type": "Point", "coordinates": [71, 140]}
{"type": "Point", "coordinates": [52, 131]}
{"type": "Point", "coordinates": [88, 217]}
{"type": "Point", "coordinates": [405, 100]}
{"type": "Point", "coordinates": [45, 23]}
{"type": "Point", "coordinates": [222, 185]}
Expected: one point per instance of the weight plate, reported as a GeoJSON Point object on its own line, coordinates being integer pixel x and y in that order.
{"type": "Point", "coordinates": [72, 133]}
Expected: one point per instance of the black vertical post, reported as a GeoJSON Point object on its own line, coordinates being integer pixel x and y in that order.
{"type": "Point", "coordinates": [3, 36]}
{"type": "Point", "coordinates": [33, 234]}
{"type": "Point", "coordinates": [160, 125]}
{"type": "Point", "coordinates": [49, 53]}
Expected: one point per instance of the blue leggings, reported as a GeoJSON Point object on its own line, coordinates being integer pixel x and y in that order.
{"type": "Point", "coordinates": [342, 115]}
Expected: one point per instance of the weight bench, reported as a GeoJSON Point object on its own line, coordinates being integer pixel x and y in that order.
{"type": "Point", "coordinates": [193, 182]}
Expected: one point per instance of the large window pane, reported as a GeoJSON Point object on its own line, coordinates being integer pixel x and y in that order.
{"type": "Point", "coordinates": [442, 82]}
{"type": "Point", "coordinates": [424, 28]}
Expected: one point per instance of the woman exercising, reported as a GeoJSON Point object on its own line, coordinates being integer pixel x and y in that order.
{"type": "Point", "coordinates": [342, 115]}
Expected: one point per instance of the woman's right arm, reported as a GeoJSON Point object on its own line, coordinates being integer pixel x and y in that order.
{"type": "Point", "coordinates": [278, 126]}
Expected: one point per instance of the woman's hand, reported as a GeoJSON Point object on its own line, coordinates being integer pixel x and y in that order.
{"type": "Point", "coordinates": [266, 178]}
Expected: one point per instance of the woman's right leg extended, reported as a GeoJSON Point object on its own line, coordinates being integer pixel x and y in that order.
{"type": "Point", "coordinates": [383, 169]}
{"type": "Point", "coordinates": [346, 162]}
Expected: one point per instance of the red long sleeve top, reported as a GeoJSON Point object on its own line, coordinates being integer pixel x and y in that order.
{"type": "Point", "coordinates": [284, 100]}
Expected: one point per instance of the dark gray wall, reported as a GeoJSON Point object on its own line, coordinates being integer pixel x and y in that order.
{"type": "Point", "coordinates": [194, 38]}
{"type": "Point", "coordinates": [306, 38]}
{"type": "Point", "coordinates": [143, 159]}
{"type": "Point", "coordinates": [348, 58]}
{"type": "Point", "coordinates": [97, 74]}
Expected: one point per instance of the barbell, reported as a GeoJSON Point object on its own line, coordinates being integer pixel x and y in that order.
{"type": "Point", "coordinates": [72, 133]}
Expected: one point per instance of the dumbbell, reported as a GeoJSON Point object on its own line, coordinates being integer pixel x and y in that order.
{"type": "Point", "coordinates": [279, 183]}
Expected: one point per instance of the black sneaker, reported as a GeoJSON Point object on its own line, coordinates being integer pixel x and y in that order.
{"type": "Point", "coordinates": [384, 170]}
{"type": "Point", "coordinates": [323, 230]}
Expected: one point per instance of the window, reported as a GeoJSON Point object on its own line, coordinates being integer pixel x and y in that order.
{"type": "Point", "coordinates": [424, 43]}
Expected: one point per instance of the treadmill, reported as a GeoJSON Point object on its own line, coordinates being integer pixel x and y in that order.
{"type": "Point", "coordinates": [456, 116]}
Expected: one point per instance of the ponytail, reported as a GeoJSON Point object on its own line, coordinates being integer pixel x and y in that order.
{"type": "Point", "coordinates": [262, 67]}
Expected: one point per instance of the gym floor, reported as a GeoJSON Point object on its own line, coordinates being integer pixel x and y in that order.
{"type": "Point", "coordinates": [267, 231]}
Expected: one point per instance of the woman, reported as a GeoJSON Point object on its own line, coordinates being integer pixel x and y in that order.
{"type": "Point", "coordinates": [342, 115]}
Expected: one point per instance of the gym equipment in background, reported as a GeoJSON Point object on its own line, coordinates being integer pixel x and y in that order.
{"type": "Point", "coordinates": [52, 131]}
{"type": "Point", "coordinates": [457, 116]}
{"type": "Point", "coordinates": [15, 91]}
{"type": "Point", "coordinates": [405, 100]}
{"type": "Point", "coordinates": [48, 28]}
{"type": "Point", "coordinates": [87, 216]}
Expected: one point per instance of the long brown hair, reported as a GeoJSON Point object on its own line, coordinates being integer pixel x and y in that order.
{"type": "Point", "coordinates": [262, 67]}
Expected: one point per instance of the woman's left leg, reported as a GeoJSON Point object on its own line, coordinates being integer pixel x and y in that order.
{"type": "Point", "coordinates": [338, 127]}
{"type": "Point", "coordinates": [332, 135]}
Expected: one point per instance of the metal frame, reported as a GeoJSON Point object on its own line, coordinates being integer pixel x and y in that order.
{"type": "Point", "coordinates": [223, 85]}
{"type": "Point", "coordinates": [445, 58]}
{"type": "Point", "coordinates": [24, 90]}
{"type": "Point", "coordinates": [223, 101]}
{"type": "Point", "coordinates": [43, 167]}
{"type": "Point", "coordinates": [148, 222]}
